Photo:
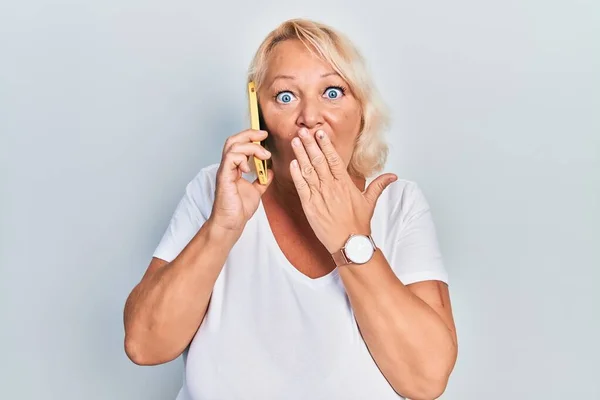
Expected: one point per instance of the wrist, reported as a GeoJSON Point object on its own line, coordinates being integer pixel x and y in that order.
{"type": "Point", "coordinates": [220, 234]}
{"type": "Point", "coordinates": [340, 240]}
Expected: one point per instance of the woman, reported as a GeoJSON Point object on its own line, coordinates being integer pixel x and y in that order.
{"type": "Point", "coordinates": [250, 282]}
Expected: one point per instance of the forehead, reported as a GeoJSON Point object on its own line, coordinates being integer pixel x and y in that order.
{"type": "Point", "coordinates": [291, 57]}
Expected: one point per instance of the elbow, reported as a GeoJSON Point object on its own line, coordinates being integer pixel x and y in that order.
{"type": "Point", "coordinates": [136, 353]}
{"type": "Point", "coordinates": [429, 382]}
{"type": "Point", "coordinates": [144, 354]}
{"type": "Point", "coordinates": [427, 389]}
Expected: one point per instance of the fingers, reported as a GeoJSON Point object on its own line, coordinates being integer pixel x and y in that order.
{"type": "Point", "coordinates": [236, 159]}
{"type": "Point", "coordinates": [299, 181]}
{"type": "Point", "coordinates": [304, 165]}
{"type": "Point", "coordinates": [315, 155]}
{"type": "Point", "coordinates": [336, 165]}
{"type": "Point", "coordinates": [251, 149]}
{"type": "Point", "coordinates": [232, 161]}
{"type": "Point", "coordinates": [247, 136]}
{"type": "Point", "coordinates": [263, 188]}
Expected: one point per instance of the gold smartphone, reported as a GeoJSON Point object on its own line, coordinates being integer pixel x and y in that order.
{"type": "Point", "coordinates": [260, 165]}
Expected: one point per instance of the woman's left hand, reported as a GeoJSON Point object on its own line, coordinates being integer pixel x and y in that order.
{"type": "Point", "coordinates": [333, 205]}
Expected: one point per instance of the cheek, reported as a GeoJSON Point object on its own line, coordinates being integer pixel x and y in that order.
{"type": "Point", "coordinates": [346, 124]}
{"type": "Point", "coordinates": [277, 123]}
{"type": "Point", "coordinates": [281, 132]}
{"type": "Point", "coordinates": [353, 121]}
{"type": "Point", "coordinates": [347, 128]}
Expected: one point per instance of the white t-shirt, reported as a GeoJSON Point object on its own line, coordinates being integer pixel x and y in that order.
{"type": "Point", "coordinates": [273, 333]}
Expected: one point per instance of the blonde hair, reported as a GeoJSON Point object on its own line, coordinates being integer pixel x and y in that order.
{"type": "Point", "coordinates": [370, 151]}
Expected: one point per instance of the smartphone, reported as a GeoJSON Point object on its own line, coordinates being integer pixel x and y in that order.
{"type": "Point", "coordinates": [260, 165]}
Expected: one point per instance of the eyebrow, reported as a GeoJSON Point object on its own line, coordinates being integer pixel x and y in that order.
{"type": "Point", "coordinates": [293, 77]}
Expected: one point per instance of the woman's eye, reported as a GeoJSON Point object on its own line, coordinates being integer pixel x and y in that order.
{"type": "Point", "coordinates": [333, 93]}
{"type": "Point", "coordinates": [285, 97]}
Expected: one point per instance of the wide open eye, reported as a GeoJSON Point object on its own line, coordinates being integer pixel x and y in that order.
{"type": "Point", "coordinates": [285, 97]}
{"type": "Point", "coordinates": [334, 92]}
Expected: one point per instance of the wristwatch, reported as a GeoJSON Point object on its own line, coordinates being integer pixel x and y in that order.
{"type": "Point", "coordinates": [359, 249]}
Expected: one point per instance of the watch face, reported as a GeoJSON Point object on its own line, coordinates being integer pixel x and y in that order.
{"type": "Point", "coordinates": [359, 249]}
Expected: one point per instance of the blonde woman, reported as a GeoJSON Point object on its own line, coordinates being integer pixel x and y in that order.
{"type": "Point", "coordinates": [326, 283]}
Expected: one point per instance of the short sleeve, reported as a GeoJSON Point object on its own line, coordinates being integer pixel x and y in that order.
{"type": "Point", "coordinates": [416, 253]}
{"type": "Point", "coordinates": [189, 215]}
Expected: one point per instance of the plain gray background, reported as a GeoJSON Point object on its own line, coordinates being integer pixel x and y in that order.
{"type": "Point", "coordinates": [108, 108]}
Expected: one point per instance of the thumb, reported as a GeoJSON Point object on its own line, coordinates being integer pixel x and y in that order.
{"type": "Point", "coordinates": [263, 188]}
{"type": "Point", "coordinates": [375, 188]}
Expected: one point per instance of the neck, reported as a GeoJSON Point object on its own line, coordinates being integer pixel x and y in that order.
{"type": "Point", "coordinates": [284, 193]}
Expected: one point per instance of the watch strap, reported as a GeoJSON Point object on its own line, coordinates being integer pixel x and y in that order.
{"type": "Point", "coordinates": [339, 258]}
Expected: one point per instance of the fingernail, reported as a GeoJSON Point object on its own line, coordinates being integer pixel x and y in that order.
{"type": "Point", "coordinates": [303, 132]}
{"type": "Point", "coordinates": [320, 134]}
{"type": "Point", "coordinates": [295, 142]}
{"type": "Point", "coordinates": [267, 152]}
{"type": "Point", "coordinates": [295, 163]}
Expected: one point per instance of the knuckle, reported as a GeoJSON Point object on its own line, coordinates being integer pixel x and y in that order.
{"type": "Point", "coordinates": [318, 159]}
{"type": "Point", "coordinates": [334, 159]}
{"type": "Point", "coordinates": [307, 170]}
{"type": "Point", "coordinates": [228, 143]}
{"type": "Point", "coordinates": [230, 157]}
{"type": "Point", "coordinates": [234, 148]}
{"type": "Point", "coordinates": [302, 186]}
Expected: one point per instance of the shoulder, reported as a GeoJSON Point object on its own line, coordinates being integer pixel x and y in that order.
{"type": "Point", "coordinates": [200, 190]}
{"type": "Point", "coordinates": [403, 200]}
{"type": "Point", "coordinates": [204, 179]}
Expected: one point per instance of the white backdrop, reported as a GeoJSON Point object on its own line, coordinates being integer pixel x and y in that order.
{"type": "Point", "coordinates": [108, 108]}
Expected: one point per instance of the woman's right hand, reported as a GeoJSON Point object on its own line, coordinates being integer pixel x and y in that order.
{"type": "Point", "coordinates": [237, 199]}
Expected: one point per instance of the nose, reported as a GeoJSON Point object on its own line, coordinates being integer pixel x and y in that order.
{"type": "Point", "coordinates": [310, 115]}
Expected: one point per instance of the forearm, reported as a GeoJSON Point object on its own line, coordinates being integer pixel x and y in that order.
{"type": "Point", "coordinates": [166, 308]}
{"type": "Point", "coordinates": [413, 347]}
